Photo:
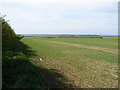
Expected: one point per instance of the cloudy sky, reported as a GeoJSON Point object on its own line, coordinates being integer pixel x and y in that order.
{"type": "Point", "coordinates": [62, 16]}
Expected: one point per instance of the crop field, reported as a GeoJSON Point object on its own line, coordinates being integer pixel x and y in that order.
{"type": "Point", "coordinates": [76, 62]}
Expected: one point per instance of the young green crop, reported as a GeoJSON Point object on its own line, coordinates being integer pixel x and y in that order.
{"type": "Point", "coordinates": [87, 67]}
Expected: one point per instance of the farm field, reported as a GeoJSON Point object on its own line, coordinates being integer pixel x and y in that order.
{"type": "Point", "coordinates": [78, 62]}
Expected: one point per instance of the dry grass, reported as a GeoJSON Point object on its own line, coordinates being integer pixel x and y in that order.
{"type": "Point", "coordinates": [112, 37]}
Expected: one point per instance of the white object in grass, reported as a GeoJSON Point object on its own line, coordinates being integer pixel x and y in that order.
{"type": "Point", "coordinates": [40, 59]}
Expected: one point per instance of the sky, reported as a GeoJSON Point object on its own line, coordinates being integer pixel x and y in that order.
{"type": "Point", "coordinates": [62, 16]}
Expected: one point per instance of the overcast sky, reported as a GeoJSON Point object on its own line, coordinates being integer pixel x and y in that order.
{"type": "Point", "coordinates": [62, 16]}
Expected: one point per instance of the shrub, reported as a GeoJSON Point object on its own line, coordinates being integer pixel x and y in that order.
{"type": "Point", "coordinates": [8, 36]}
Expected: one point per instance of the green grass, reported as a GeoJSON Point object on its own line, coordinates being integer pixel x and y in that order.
{"type": "Point", "coordinates": [101, 42]}
{"type": "Point", "coordinates": [86, 67]}
{"type": "Point", "coordinates": [19, 71]}
{"type": "Point", "coordinates": [55, 50]}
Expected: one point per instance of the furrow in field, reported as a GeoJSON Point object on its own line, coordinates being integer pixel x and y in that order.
{"type": "Point", "coordinates": [89, 47]}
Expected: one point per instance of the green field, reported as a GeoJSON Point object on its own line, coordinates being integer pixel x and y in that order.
{"type": "Point", "coordinates": [76, 62]}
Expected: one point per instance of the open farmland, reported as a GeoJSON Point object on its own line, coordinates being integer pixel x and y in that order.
{"type": "Point", "coordinates": [78, 62]}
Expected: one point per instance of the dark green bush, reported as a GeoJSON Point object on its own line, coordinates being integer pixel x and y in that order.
{"type": "Point", "coordinates": [17, 69]}
{"type": "Point", "coordinates": [8, 36]}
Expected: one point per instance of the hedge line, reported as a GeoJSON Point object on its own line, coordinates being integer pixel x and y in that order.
{"type": "Point", "coordinates": [9, 38]}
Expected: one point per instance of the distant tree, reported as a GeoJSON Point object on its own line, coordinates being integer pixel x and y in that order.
{"type": "Point", "coordinates": [19, 37]}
